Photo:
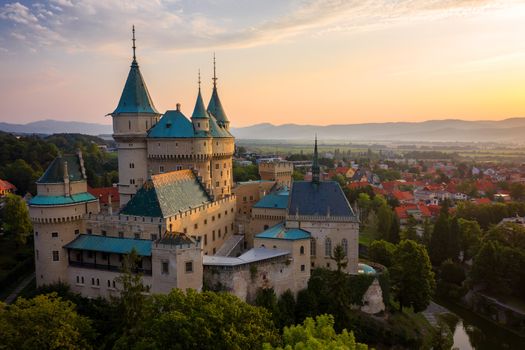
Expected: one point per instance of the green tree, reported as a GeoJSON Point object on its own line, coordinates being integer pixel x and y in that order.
{"type": "Point", "coordinates": [371, 226]}
{"type": "Point", "coordinates": [439, 241]}
{"type": "Point", "coordinates": [16, 218]}
{"type": "Point", "coordinates": [44, 322]}
{"type": "Point", "coordinates": [286, 309]}
{"type": "Point", "coordinates": [470, 238]}
{"type": "Point", "coordinates": [20, 174]}
{"type": "Point", "coordinates": [517, 191]}
{"type": "Point", "coordinates": [340, 258]}
{"type": "Point", "coordinates": [410, 231]}
{"type": "Point", "coordinates": [340, 179]}
{"type": "Point", "coordinates": [297, 175]}
{"type": "Point", "coordinates": [411, 274]}
{"type": "Point", "coordinates": [382, 252]}
{"type": "Point", "coordinates": [318, 334]}
{"type": "Point", "coordinates": [385, 217]}
{"type": "Point", "coordinates": [427, 232]}
{"type": "Point", "coordinates": [207, 320]}
{"type": "Point", "coordinates": [394, 235]}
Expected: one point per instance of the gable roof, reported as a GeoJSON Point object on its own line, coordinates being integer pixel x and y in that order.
{"type": "Point", "coordinates": [308, 198]}
{"type": "Point", "coordinates": [6, 186]}
{"type": "Point", "coordinates": [135, 97]}
{"type": "Point", "coordinates": [107, 244]}
{"type": "Point", "coordinates": [167, 194]}
{"type": "Point", "coordinates": [55, 171]}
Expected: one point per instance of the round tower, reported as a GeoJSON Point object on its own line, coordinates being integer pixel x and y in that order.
{"type": "Point", "coordinates": [56, 212]}
{"type": "Point", "coordinates": [133, 117]}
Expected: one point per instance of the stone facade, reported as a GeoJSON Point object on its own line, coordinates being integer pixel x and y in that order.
{"type": "Point", "coordinates": [278, 171]}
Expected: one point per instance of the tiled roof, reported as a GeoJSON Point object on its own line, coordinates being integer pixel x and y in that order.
{"type": "Point", "coordinates": [102, 193]}
{"type": "Point", "coordinates": [6, 186]}
{"type": "Point", "coordinates": [175, 239]}
{"type": "Point", "coordinates": [167, 194]}
{"type": "Point", "coordinates": [172, 125]}
{"type": "Point", "coordinates": [114, 245]}
{"type": "Point", "coordinates": [403, 195]}
{"type": "Point", "coordinates": [55, 171]}
{"type": "Point", "coordinates": [62, 200]}
{"type": "Point", "coordinates": [273, 201]}
{"type": "Point", "coordinates": [279, 231]}
{"type": "Point", "coordinates": [135, 97]}
{"type": "Point", "coordinates": [216, 130]}
{"type": "Point", "coordinates": [308, 198]}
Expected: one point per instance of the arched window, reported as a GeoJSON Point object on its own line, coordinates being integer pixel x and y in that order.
{"type": "Point", "coordinates": [313, 247]}
{"type": "Point", "coordinates": [266, 227]}
{"type": "Point", "coordinates": [344, 243]}
{"type": "Point", "coordinates": [301, 250]}
{"type": "Point", "coordinates": [328, 247]}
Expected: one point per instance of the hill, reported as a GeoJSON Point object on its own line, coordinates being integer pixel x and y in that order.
{"type": "Point", "coordinates": [49, 127]}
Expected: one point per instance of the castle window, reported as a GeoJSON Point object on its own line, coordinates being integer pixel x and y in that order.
{"type": "Point", "coordinates": [196, 226]}
{"type": "Point", "coordinates": [129, 124]}
{"type": "Point", "coordinates": [54, 234]}
{"type": "Point", "coordinates": [82, 279]}
{"type": "Point", "coordinates": [89, 231]}
{"type": "Point", "coordinates": [109, 282]}
{"type": "Point", "coordinates": [165, 268]}
{"type": "Point", "coordinates": [104, 233]}
{"type": "Point", "coordinates": [153, 237]}
{"type": "Point", "coordinates": [344, 243]}
{"type": "Point", "coordinates": [98, 282]}
{"type": "Point", "coordinates": [36, 233]}
{"type": "Point", "coordinates": [213, 235]}
{"type": "Point", "coordinates": [105, 256]}
{"type": "Point", "coordinates": [214, 251]}
{"type": "Point", "coordinates": [213, 218]}
{"type": "Point", "coordinates": [205, 221]}
{"type": "Point", "coordinates": [37, 254]}
{"type": "Point", "coordinates": [161, 168]}
{"type": "Point", "coordinates": [55, 255]}
{"type": "Point", "coordinates": [146, 129]}
{"type": "Point", "coordinates": [78, 279]}
{"type": "Point", "coordinates": [77, 232]}
{"type": "Point", "coordinates": [219, 215]}
{"type": "Point", "coordinates": [266, 227]}
{"type": "Point", "coordinates": [137, 235]}
{"type": "Point", "coordinates": [185, 230]}
{"type": "Point", "coordinates": [224, 166]}
{"type": "Point", "coordinates": [92, 281]}
{"type": "Point", "coordinates": [328, 247]}
{"type": "Point", "coordinates": [121, 234]}
{"type": "Point", "coordinates": [199, 125]}
{"type": "Point", "coordinates": [301, 250]}
{"type": "Point", "coordinates": [302, 267]}
{"type": "Point", "coordinates": [313, 246]}
{"type": "Point", "coordinates": [114, 284]}
{"type": "Point", "coordinates": [189, 266]}
{"type": "Point", "coordinates": [217, 166]}
{"type": "Point", "coordinates": [206, 239]}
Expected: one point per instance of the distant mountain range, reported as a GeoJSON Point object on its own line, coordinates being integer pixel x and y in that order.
{"type": "Point", "coordinates": [57, 127]}
{"type": "Point", "coordinates": [448, 130]}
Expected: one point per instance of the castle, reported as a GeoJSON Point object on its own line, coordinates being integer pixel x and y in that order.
{"type": "Point", "coordinates": [181, 213]}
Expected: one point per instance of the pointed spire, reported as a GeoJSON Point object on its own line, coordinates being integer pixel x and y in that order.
{"type": "Point", "coordinates": [135, 97]}
{"type": "Point", "coordinates": [199, 112]}
{"type": "Point", "coordinates": [315, 164]}
{"type": "Point", "coordinates": [134, 47]}
{"type": "Point", "coordinates": [215, 106]}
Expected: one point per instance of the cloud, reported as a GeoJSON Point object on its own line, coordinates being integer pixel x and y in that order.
{"type": "Point", "coordinates": [92, 25]}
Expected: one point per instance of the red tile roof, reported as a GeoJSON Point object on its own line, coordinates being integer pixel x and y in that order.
{"type": "Point", "coordinates": [403, 195]}
{"type": "Point", "coordinates": [6, 186]}
{"type": "Point", "coordinates": [102, 194]}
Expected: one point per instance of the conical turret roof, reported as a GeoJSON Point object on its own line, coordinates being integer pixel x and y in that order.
{"type": "Point", "coordinates": [199, 112]}
{"type": "Point", "coordinates": [135, 97]}
{"type": "Point", "coordinates": [215, 107]}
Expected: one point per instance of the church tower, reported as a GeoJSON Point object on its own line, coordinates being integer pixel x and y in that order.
{"type": "Point", "coordinates": [133, 117]}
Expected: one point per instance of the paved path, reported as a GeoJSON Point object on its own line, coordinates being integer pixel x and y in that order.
{"type": "Point", "coordinates": [432, 311]}
{"type": "Point", "coordinates": [18, 289]}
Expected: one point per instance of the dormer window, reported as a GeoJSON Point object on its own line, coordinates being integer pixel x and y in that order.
{"type": "Point", "coordinates": [168, 125]}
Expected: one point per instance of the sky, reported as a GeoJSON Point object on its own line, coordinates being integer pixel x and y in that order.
{"type": "Point", "coordinates": [305, 62]}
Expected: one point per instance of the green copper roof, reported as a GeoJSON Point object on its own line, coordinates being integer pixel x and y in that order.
{"type": "Point", "coordinates": [279, 231]}
{"type": "Point", "coordinates": [114, 245]}
{"type": "Point", "coordinates": [199, 112]}
{"type": "Point", "coordinates": [167, 194]}
{"type": "Point", "coordinates": [62, 200]}
{"type": "Point", "coordinates": [273, 201]}
{"type": "Point", "coordinates": [216, 109]}
{"type": "Point", "coordinates": [216, 130]}
{"type": "Point", "coordinates": [55, 171]}
{"type": "Point", "coordinates": [172, 125]}
{"type": "Point", "coordinates": [135, 96]}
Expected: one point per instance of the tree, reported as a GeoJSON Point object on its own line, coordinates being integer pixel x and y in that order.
{"type": "Point", "coordinates": [44, 322]}
{"type": "Point", "coordinates": [382, 252]}
{"type": "Point", "coordinates": [371, 227]}
{"type": "Point", "coordinates": [16, 218]}
{"type": "Point", "coordinates": [20, 174]}
{"type": "Point", "coordinates": [411, 274]}
{"type": "Point", "coordinates": [340, 179]}
{"type": "Point", "coordinates": [410, 232]}
{"type": "Point", "coordinates": [394, 236]}
{"type": "Point", "coordinates": [454, 240]}
{"type": "Point", "coordinates": [318, 334]}
{"type": "Point", "coordinates": [340, 258]}
{"type": "Point", "coordinates": [470, 238]}
{"type": "Point", "coordinates": [385, 220]}
{"type": "Point", "coordinates": [132, 300]}
{"type": "Point", "coordinates": [517, 191]}
{"type": "Point", "coordinates": [286, 309]}
{"type": "Point", "coordinates": [439, 240]}
{"type": "Point", "coordinates": [207, 320]}
{"type": "Point", "coordinates": [267, 299]}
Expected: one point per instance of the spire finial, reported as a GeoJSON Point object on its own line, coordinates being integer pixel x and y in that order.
{"type": "Point", "coordinates": [134, 47]}
{"type": "Point", "coordinates": [214, 72]}
{"type": "Point", "coordinates": [315, 164]}
{"type": "Point", "coordinates": [199, 80]}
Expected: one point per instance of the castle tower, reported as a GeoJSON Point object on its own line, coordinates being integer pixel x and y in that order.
{"type": "Point", "coordinates": [221, 164]}
{"type": "Point", "coordinates": [56, 212]}
{"type": "Point", "coordinates": [133, 117]}
{"type": "Point", "coordinates": [200, 118]}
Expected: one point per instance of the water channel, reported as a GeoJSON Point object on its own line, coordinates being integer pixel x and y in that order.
{"type": "Point", "coordinates": [474, 332]}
